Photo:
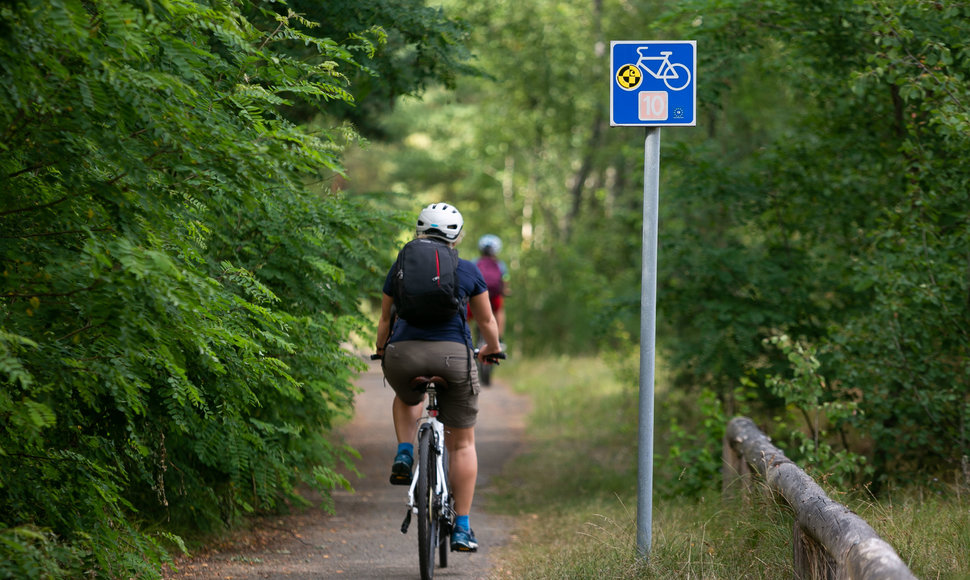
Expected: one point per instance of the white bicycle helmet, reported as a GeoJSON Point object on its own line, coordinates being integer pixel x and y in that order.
{"type": "Point", "coordinates": [440, 220]}
{"type": "Point", "coordinates": [490, 243]}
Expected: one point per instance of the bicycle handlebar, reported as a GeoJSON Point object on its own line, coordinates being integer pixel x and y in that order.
{"type": "Point", "coordinates": [492, 358]}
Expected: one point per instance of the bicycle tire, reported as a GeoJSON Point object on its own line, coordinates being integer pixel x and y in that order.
{"type": "Point", "coordinates": [427, 521]}
{"type": "Point", "coordinates": [444, 546]}
{"type": "Point", "coordinates": [486, 375]}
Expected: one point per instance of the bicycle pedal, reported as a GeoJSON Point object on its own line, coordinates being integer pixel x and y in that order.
{"type": "Point", "coordinates": [406, 522]}
{"type": "Point", "coordinates": [400, 479]}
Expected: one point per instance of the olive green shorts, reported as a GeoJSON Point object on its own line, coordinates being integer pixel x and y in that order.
{"type": "Point", "coordinates": [458, 403]}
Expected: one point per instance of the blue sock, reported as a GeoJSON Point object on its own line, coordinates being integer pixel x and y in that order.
{"type": "Point", "coordinates": [406, 447]}
{"type": "Point", "coordinates": [461, 523]}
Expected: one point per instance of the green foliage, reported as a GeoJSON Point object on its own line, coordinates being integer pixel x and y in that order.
{"type": "Point", "coordinates": [847, 226]}
{"type": "Point", "coordinates": [690, 431]}
{"type": "Point", "coordinates": [808, 394]}
{"type": "Point", "coordinates": [420, 47]}
{"type": "Point", "coordinates": [31, 553]}
{"type": "Point", "coordinates": [176, 282]}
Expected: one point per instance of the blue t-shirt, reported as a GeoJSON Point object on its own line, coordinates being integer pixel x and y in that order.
{"type": "Point", "coordinates": [470, 283]}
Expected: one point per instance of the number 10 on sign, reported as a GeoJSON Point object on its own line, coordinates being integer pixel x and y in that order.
{"type": "Point", "coordinates": [652, 106]}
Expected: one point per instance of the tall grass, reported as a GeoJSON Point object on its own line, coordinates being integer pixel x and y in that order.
{"type": "Point", "coordinates": [929, 526]}
{"type": "Point", "coordinates": [574, 492]}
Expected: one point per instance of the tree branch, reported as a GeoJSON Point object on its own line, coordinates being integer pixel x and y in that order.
{"type": "Point", "coordinates": [29, 169]}
{"type": "Point", "coordinates": [35, 207]}
{"type": "Point", "coordinates": [61, 233]}
{"type": "Point", "coordinates": [87, 326]}
{"type": "Point", "coordinates": [53, 294]}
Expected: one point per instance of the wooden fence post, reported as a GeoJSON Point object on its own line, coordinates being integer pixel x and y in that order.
{"type": "Point", "coordinates": [735, 473]}
{"type": "Point", "coordinates": [811, 560]}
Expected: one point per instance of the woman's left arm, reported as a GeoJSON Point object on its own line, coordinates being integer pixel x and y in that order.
{"type": "Point", "coordinates": [384, 324]}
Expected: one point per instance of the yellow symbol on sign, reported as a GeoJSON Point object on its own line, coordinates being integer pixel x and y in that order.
{"type": "Point", "coordinates": [629, 77]}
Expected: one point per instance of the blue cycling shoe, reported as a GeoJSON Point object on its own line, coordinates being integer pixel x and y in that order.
{"type": "Point", "coordinates": [401, 470]}
{"type": "Point", "coordinates": [463, 541]}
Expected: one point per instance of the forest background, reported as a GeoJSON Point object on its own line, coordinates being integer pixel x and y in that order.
{"type": "Point", "coordinates": [200, 199]}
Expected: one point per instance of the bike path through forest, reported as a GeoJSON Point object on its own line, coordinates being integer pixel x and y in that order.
{"type": "Point", "coordinates": [363, 540]}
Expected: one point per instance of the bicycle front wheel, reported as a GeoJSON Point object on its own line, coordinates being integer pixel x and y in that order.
{"type": "Point", "coordinates": [427, 519]}
{"type": "Point", "coordinates": [445, 517]}
{"type": "Point", "coordinates": [485, 374]}
{"type": "Point", "coordinates": [679, 79]}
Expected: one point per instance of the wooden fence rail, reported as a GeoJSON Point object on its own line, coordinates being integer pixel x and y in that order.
{"type": "Point", "coordinates": [830, 541]}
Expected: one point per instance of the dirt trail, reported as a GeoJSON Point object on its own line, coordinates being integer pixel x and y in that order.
{"type": "Point", "coordinates": [363, 539]}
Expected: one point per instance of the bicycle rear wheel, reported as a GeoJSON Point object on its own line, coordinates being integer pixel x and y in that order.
{"type": "Point", "coordinates": [427, 519]}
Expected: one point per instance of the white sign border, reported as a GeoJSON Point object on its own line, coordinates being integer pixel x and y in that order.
{"type": "Point", "coordinates": [693, 122]}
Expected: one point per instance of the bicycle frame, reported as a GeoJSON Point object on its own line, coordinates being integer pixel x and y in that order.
{"type": "Point", "coordinates": [430, 421]}
{"type": "Point", "coordinates": [664, 71]}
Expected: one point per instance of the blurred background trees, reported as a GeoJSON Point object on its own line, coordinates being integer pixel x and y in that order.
{"type": "Point", "coordinates": [818, 213]}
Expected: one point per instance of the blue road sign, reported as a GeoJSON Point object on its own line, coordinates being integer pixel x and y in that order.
{"type": "Point", "coordinates": [653, 83]}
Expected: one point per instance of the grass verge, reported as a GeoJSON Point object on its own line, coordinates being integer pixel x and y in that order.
{"type": "Point", "coordinates": [574, 494]}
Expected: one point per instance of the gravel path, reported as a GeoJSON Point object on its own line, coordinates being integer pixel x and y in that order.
{"type": "Point", "coordinates": [363, 539]}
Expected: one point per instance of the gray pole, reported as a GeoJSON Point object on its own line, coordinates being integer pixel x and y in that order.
{"type": "Point", "coordinates": [648, 324]}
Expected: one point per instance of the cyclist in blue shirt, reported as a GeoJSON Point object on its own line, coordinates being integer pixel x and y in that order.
{"type": "Point", "coordinates": [443, 350]}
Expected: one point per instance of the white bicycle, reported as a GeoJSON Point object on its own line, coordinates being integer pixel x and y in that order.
{"type": "Point", "coordinates": [429, 497]}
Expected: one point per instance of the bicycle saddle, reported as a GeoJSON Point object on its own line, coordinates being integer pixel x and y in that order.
{"type": "Point", "coordinates": [421, 383]}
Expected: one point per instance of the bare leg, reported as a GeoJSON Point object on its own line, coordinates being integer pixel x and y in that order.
{"type": "Point", "coordinates": [463, 467]}
{"type": "Point", "coordinates": [405, 420]}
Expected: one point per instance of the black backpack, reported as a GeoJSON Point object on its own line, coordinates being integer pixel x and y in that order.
{"type": "Point", "coordinates": [426, 283]}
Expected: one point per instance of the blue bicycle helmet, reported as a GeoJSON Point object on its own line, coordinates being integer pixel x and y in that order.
{"type": "Point", "coordinates": [490, 244]}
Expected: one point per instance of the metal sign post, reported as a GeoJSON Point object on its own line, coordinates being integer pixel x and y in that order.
{"type": "Point", "coordinates": [653, 85]}
{"type": "Point", "coordinates": [648, 335]}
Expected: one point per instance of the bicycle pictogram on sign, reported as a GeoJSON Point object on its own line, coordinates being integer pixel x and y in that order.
{"type": "Point", "coordinates": [676, 76]}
